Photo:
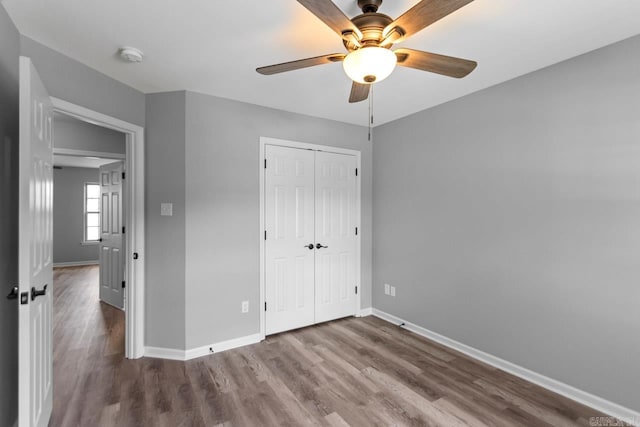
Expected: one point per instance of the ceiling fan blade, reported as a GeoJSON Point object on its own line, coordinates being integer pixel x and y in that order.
{"type": "Point", "coordinates": [359, 92]}
{"type": "Point", "coordinates": [424, 14]}
{"type": "Point", "coordinates": [434, 63]}
{"type": "Point", "coordinates": [301, 63]}
{"type": "Point", "coordinates": [332, 16]}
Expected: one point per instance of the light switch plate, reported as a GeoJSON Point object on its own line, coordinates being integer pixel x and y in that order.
{"type": "Point", "coordinates": [166, 209]}
{"type": "Point", "coordinates": [393, 291]}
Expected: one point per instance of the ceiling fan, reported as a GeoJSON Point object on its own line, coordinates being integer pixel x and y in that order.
{"type": "Point", "coordinates": [368, 38]}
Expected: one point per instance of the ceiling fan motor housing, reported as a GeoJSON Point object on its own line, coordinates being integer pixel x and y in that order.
{"type": "Point", "coordinates": [371, 25]}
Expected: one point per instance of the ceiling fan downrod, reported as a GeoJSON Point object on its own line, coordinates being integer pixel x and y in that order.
{"type": "Point", "coordinates": [369, 6]}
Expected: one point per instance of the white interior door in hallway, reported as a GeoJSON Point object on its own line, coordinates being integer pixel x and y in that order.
{"type": "Point", "coordinates": [35, 230]}
{"type": "Point", "coordinates": [111, 229]}
{"type": "Point", "coordinates": [310, 237]}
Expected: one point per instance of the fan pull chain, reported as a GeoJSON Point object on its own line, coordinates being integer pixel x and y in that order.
{"type": "Point", "coordinates": [371, 113]}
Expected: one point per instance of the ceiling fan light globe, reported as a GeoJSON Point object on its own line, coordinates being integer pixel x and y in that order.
{"type": "Point", "coordinates": [365, 62]}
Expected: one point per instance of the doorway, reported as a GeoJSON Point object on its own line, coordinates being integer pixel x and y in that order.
{"type": "Point", "coordinates": [133, 216]}
{"type": "Point", "coordinates": [88, 205]}
{"type": "Point", "coordinates": [310, 242]}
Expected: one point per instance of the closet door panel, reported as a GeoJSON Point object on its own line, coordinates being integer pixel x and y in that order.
{"type": "Point", "coordinates": [335, 274]}
{"type": "Point", "coordinates": [289, 219]}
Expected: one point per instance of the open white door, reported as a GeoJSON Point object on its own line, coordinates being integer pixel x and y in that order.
{"type": "Point", "coordinates": [35, 250]}
{"type": "Point", "coordinates": [335, 272]}
{"type": "Point", "coordinates": [111, 230]}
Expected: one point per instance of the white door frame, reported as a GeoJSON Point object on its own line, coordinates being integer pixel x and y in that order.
{"type": "Point", "coordinates": [264, 141]}
{"type": "Point", "coordinates": [134, 237]}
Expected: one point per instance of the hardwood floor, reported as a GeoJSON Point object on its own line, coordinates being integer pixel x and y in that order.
{"type": "Point", "coordinates": [358, 372]}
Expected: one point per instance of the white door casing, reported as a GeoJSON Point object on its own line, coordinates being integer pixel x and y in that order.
{"type": "Point", "coordinates": [133, 190]}
{"type": "Point", "coordinates": [111, 226]}
{"type": "Point", "coordinates": [35, 230]}
{"type": "Point", "coordinates": [289, 211]}
{"type": "Point", "coordinates": [336, 267]}
{"type": "Point", "coordinates": [335, 228]}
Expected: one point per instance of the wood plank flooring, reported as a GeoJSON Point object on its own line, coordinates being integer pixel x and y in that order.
{"type": "Point", "coordinates": [350, 372]}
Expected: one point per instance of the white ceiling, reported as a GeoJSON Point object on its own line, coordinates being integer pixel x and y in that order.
{"type": "Point", "coordinates": [214, 46]}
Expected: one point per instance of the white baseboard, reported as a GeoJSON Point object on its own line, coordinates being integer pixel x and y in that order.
{"type": "Point", "coordinates": [164, 353]}
{"type": "Point", "coordinates": [622, 413]}
{"type": "Point", "coordinates": [75, 263]}
{"type": "Point", "coordinates": [174, 354]}
{"type": "Point", "coordinates": [222, 346]}
{"type": "Point", "coordinates": [365, 312]}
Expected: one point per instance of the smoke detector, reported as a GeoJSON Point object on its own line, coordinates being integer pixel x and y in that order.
{"type": "Point", "coordinates": [131, 54]}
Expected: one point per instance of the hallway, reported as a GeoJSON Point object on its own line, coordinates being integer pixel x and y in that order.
{"type": "Point", "coordinates": [88, 346]}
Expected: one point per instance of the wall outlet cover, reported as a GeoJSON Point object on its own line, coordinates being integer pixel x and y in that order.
{"type": "Point", "coordinates": [245, 306]}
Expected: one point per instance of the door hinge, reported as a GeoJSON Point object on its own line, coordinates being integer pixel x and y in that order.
{"type": "Point", "coordinates": [123, 175]}
{"type": "Point", "coordinates": [356, 290]}
{"type": "Point", "coordinates": [123, 230]}
{"type": "Point", "coordinates": [265, 306]}
{"type": "Point", "coordinates": [265, 163]}
{"type": "Point", "coordinates": [265, 234]}
{"type": "Point", "coordinates": [123, 284]}
{"type": "Point", "coordinates": [356, 171]}
{"type": "Point", "coordinates": [356, 231]}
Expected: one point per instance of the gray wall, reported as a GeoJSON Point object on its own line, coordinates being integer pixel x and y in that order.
{"type": "Point", "coordinates": [75, 134]}
{"type": "Point", "coordinates": [202, 156]}
{"type": "Point", "coordinates": [68, 79]}
{"type": "Point", "coordinates": [68, 215]}
{"type": "Point", "coordinates": [165, 235]}
{"type": "Point", "coordinates": [9, 52]}
{"type": "Point", "coordinates": [222, 208]}
{"type": "Point", "coordinates": [509, 221]}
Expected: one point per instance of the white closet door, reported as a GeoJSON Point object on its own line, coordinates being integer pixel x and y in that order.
{"type": "Point", "coordinates": [289, 263]}
{"type": "Point", "coordinates": [335, 273]}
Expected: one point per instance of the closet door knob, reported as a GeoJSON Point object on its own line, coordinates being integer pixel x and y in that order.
{"type": "Point", "coordinates": [35, 294]}
{"type": "Point", "coordinates": [309, 246]}
{"type": "Point", "coordinates": [318, 246]}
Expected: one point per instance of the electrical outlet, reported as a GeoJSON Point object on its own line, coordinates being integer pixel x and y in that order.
{"type": "Point", "coordinates": [393, 291]}
{"type": "Point", "coordinates": [386, 289]}
{"type": "Point", "coordinates": [245, 306]}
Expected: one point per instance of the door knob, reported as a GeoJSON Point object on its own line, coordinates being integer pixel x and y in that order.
{"type": "Point", "coordinates": [35, 294]}
{"type": "Point", "coordinates": [309, 246]}
{"type": "Point", "coordinates": [13, 294]}
{"type": "Point", "coordinates": [318, 246]}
